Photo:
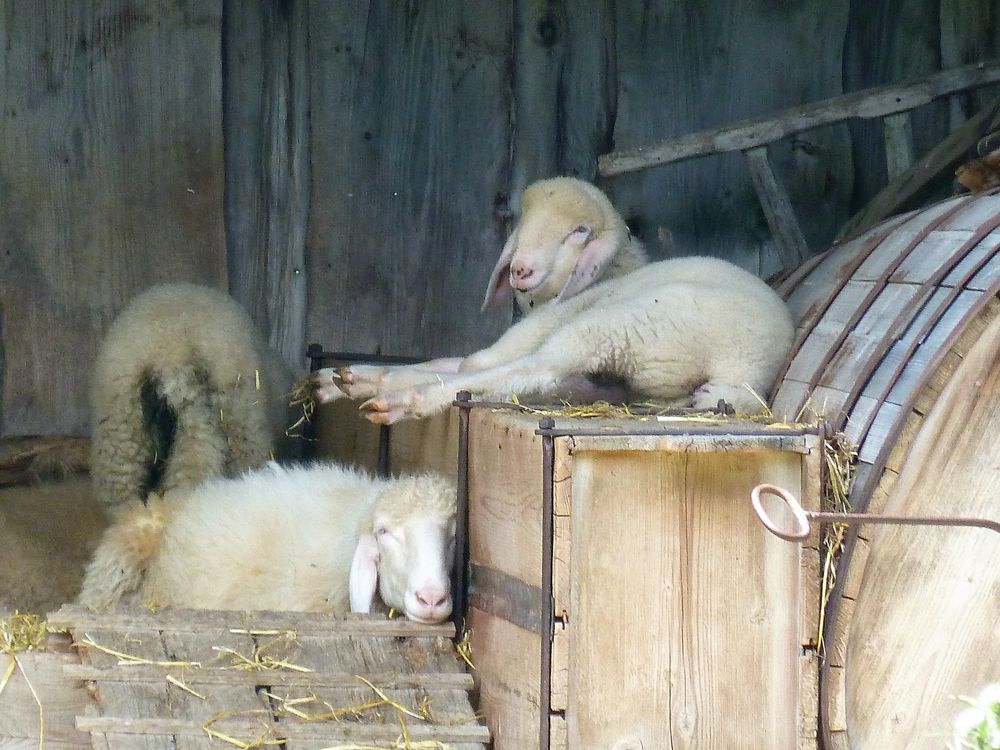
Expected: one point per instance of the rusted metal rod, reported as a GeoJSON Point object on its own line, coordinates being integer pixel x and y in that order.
{"type": "Point", "coordinates": [804, 517]}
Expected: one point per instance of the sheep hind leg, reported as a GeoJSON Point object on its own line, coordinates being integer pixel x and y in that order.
{"type": "Point", "coordinates": [740, 397]}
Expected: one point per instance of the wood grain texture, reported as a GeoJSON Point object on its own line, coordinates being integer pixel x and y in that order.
{"type": "Point", "coordinates": [925, 624]}
{"type": "Point", "coordinates": [266, 101]}
{"type": "Point", "coordinates": [686, 520]}
{"type": "Point", "coordinates": [410, 141]}
{"type": "Point", "coordinates": [111, 181]}
{"type": "Point", "coordinates": [673, 53]}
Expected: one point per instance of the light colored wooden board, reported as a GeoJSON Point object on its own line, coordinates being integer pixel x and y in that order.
{"type": "Point", "coordinates": [112, 181]}
{"type": "Point", "coordinates": [826, 332]}
{"type": "Point", "coordinates": [505, 515]}
{"type": "Point", "coordinates": [925, 625]}
{"type": "Point", "coordinates": [508, 660]}
{"type": "Point", "coordinates": [986, 247]}
{"type": "Point", "coordinates": [980, 210]}
{"type": "Point", "coordinates": [919, 266]}
{"type": "Point", "coordinates": [689, 516]}
{"type": "Point", "coordinates": [898, 242]}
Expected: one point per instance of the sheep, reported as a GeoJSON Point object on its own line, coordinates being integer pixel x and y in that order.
{"type": "Point", "coordinates": [183, 389]}
{"type": "Point", "coordinates": [299, 538]}
{"type": "Point", "coordinates": [692, 331]}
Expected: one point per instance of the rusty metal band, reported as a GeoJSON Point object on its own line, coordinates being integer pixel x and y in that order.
{"type": "Point", "coordinates": [507, 597]}
{"type": "Point", "coordinates": [910, 312]}
{"type": "Point", "coordinates": [545, 678]}
{"type": "Point", "coordinates": [459, 583]}
{"type": "Point", "coordinates": [861, 496]}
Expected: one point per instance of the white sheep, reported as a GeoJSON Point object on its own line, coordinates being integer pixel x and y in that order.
{"type": "Point", "coordinates": [183, 389]}
{"type": "Point", "coordinates": [300, 538]}
{"type": "Point", "coordinates": [690, 330]}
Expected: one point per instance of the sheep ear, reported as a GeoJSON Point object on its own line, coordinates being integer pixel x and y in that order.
{"type": "Point", "coordinates": [364, 574]}
{"type": "Point", "coordinates": [594, 258]}
{"type": "Point", "coordinates": [499, 289]}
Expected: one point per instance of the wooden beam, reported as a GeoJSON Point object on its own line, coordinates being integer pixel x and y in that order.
{"type": "Point", "coordinates": [760, 131]}
{"type": "Point", "coordinates": [788, 238]}
{"type": "Point", "coordinates": [904, 190]}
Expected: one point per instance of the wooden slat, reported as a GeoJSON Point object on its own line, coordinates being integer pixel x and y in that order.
{"type": "Point", "coordinates": [788, 238]}
{"type": "Point", "coordinates": [196, 620]}
{"type": "Point", "coordinates": [761, 131]}
{"type": "Point", "coordinates": [142, 673]}
{"type": "Point", "coordinates": [250, 729]}
{"type": "Point", "coordinates": [898, 133]}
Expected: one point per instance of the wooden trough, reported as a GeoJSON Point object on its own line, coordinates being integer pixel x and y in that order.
{"type": "Point", "coordinates": [197, 679]}
{"type": "Point", "coordinates": [899, 346]}
{"type": "Point", "coordinates": [623, 593]}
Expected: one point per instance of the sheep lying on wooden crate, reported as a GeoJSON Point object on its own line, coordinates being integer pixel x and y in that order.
{"type": "Point", "coordinates": [183, 389]}
{"type": "Point", "coordinates": [302, 538]}
{"type": "Point", "coordinates": [692, 330]}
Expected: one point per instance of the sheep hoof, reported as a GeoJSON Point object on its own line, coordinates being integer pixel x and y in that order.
{"type": "Point", "coordinates": [380, 411]}
{"type": "Point", "coordinates": [724, 407]}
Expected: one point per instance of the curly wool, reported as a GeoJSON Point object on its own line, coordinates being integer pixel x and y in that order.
{"type": "Point", "coordinates": [181, 371]}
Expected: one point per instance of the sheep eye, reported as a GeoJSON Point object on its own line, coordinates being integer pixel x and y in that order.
{"type": "Point", "coordinates": [582, 229]}
{"type": "Point", "coordinates": [381, 531]}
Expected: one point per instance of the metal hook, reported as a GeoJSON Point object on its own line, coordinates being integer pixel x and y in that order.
{"type": "Point", "coordinates": [803, 517]}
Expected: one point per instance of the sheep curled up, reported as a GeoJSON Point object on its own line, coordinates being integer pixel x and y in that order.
{"type": "Point", "coordinates": [691, 331]}
{"type": "Point", "coordinates": [320, 537]}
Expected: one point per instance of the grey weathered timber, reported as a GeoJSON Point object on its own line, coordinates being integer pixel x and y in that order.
{"type": "Point", "coordinates": [410, 144]}
{"type": "Point", "coordinates": [672, 80]}
{"type": "Point", "coordinates": [111, 179]}
{"type": "Point", "coordinates": [761, 131]}
{"type": "Point", "coordinates": [906, 189]}
{"type": "Point", "coordinates": [267, 165]}
{"type": "Point", "coordinates": [788, 238]}
{"type": "Point", "coordinates": [898, 134]}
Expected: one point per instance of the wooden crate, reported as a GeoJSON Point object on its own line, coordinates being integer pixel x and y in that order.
{"type": "Point", "coordinates": [197, 679]}
{"type": "Point", "coordinates": [678, 620]}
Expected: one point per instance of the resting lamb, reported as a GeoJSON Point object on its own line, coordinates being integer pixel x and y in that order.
{"type": "Point", "coordinates": [692, 330]}
{"type": "Point", "coordinates": [302, 538]}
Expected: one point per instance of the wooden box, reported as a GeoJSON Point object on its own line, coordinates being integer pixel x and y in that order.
{"type": "Point", "coordinates": [677, 620]}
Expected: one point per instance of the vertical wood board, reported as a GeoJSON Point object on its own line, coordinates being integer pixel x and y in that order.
{"type": "Point", "coordinates": [111, 182]}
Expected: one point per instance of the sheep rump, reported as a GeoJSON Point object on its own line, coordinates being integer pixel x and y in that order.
{"type": "Point", "coordinates": [183, 389]}
{"type": "Point", "coordinates": [277, 538]}
{"type": "Point", "coordinates": [689, 330]}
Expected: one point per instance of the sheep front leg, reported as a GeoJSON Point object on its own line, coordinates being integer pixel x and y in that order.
{"type": "Point", "coordinates": [364, 381]}
{"type": "Point", "coordinates": [538, 372]}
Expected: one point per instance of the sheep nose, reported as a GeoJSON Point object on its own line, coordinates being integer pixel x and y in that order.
{"type": "Point", "coordinates": [431, 598]}
{"type": "Point", "coordinates": [521, 271]}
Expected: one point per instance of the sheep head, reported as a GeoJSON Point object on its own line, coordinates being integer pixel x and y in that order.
{"type": "Point", "coordinates": [568, 234]}
{"type": "Point", "coordinates": [409, 549]}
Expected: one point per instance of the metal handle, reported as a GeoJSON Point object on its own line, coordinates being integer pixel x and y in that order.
{"type": "Point", "coordinates": [801, 517]}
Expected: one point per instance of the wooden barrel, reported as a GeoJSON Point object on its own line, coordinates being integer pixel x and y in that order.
{"type": "Point", "coordinates": [899, 346]}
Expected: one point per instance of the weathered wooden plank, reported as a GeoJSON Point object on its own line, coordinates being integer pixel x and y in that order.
{"type": "Point", "coordinates": [197, 620]}
{"type": "Point", "coordinates": [924, 628]}
{"type": "Point", "coordinates": [112, 181]}
{"type": "Point", "coordinates": [898, 134]}
{"type": "Point", "coordinates": [788, 237]}
{"type": "Point", "coordinates": [760, 131]}
{"type": "Point", "coordinates": [658, 63]}
{"type": "Point", "coordinates": [694, 512]}
{"type": "Point", "coordinates": [266, 103]}
{"type": "Point", "coordinates": [401, 242]}
{"type": "Point", "coordinates": [905, 190]}
{"type": "Point", "coordinates": [250, 728]}
{"type": "Point", "coordinates": [210, 676]}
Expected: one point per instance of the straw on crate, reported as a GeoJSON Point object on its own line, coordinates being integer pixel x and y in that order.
{"type": "Point", "coordinates": [23, 632]}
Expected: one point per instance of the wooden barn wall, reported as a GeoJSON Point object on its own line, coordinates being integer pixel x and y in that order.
{"type": "Point", "coordinates": [348, 170]}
